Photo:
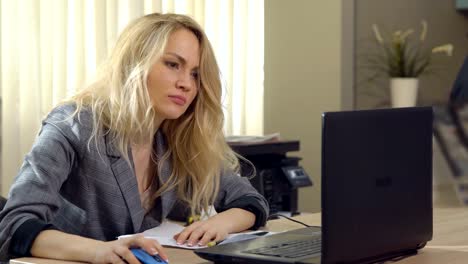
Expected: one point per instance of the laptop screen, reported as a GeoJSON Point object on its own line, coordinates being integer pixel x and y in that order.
{"type": "Point", "coordinates": [376, 181]}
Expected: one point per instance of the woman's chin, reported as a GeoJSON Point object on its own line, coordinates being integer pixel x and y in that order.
{"type": "Point", "coordinates": [172, 116]}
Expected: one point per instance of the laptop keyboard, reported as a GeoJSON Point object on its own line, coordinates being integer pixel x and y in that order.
{"type": "Point", "coordinates": [290, 249]}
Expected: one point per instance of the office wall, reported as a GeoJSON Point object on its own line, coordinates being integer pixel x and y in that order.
{"type": "Point", "coordinates": [303, 77]}
{"type": "Point", "coordinates": [445, 24]}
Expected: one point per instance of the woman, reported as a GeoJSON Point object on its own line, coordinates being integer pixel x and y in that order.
{"type": "Point", "coordinates": [142, 143]}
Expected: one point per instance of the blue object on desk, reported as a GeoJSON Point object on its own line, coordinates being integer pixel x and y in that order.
{"type": "Point", "coordinates": [146, 258]}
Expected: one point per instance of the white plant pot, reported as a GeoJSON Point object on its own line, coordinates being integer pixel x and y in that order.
{"type": "Point", "coordinates": [403, 91]}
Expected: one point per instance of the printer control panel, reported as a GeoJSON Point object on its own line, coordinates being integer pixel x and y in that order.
{"type": "Point", "coordinates": [297, 176]}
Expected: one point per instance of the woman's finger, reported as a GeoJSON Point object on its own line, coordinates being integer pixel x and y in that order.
{"type": "Point", "coordinates": [220, 237]}
{"type": "Point", "coordinates": [153, 247]}
{"type": "Point", "coordinates": [124, 253]}
{"type": "Point", "coordinates": [120, 261]}
{"type": "Point", "coordinates": [114, 258]}
{"type": "Point", "coordinates": [182, 237]}
{"type": "Point", "coordinates": [207, 237]}
{"type": "Point", "coordinates": [195, 236]}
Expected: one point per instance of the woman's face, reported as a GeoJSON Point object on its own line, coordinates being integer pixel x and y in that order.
{"type": "Point", "coordinates": [173, 79]}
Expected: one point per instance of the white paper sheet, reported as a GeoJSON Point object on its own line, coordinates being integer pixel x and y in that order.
{"type": "Point", "coordinates": [165, 232]}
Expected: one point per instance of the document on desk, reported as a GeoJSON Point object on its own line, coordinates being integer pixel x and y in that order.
{"type": "Point", "coordinates": [165, 232]}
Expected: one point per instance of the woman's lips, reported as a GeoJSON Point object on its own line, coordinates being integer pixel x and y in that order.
{"type": "Point", "coordinates": [179, 100]}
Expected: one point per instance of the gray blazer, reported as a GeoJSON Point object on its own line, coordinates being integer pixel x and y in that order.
{"type": "Point", "coordinates": [69, 183]}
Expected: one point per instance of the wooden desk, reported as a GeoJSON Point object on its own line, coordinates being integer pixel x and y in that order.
{"type": "Point", "coordinates": [449, 244]}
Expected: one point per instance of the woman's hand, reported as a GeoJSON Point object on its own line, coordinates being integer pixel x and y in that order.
{"type": "Point", "coordinates": [202, 232]}
{"type": "Point", "coordinates": [118, 251]}
{"type": "Point", "coordinates": [55, 244]}
{"type": "Point", "coordinates": [216, 228]}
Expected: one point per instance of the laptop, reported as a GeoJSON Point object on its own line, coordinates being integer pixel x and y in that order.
{"type": "Point", "coordinates": [376, 194]}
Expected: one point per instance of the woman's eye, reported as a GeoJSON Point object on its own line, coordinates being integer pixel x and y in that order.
{"type": "Point", "coordinates": [195, 75]}
{"type": "Point", "coordinates": [171, 64]}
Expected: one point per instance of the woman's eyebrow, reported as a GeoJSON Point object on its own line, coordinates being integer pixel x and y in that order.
{"type": "Point", "coordinates": [181, 59]}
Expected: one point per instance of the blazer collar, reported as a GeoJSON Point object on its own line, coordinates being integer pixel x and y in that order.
{"type": "Point", "coordinates": [126, 179]}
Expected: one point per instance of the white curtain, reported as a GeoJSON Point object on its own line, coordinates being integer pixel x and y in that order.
{"type": "Point", "coordinates": [51, 48]}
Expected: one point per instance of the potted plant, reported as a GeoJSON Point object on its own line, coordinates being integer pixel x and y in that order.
{"type": "Point", "coordinates": [403, 58]}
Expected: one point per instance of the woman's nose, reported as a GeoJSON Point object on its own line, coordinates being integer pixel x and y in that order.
{"type": "Point", "coordinates": [185, 81]}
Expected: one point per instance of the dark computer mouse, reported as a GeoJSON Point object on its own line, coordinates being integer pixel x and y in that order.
{"type": "Point", "coordinates": [146, 258]}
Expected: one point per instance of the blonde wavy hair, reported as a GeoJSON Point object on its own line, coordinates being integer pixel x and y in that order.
{"type": "Point", "coordinates": [121, 106]}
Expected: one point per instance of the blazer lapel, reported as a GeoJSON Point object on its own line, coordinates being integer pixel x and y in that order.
{"type": "Point", "coordinates": [169, 197]}
{"type": "Point", "coordinates": [125, 176]}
